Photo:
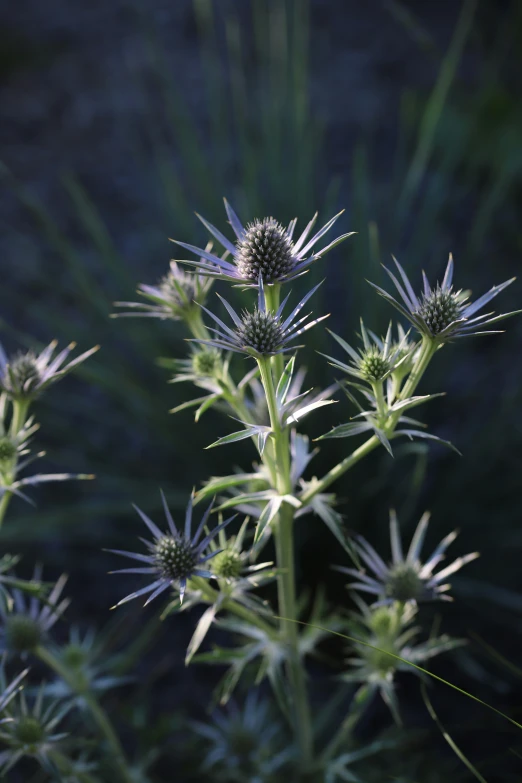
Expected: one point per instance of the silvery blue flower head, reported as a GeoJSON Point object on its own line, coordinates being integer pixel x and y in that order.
{"type": "Point", "coordinates": [30, 730]}
{"type": "Point", "coordinates": [263, 249]}
{"type": "Point", "coordinates": [174, 557]}
{"type": "Point", "coordinates": [26, 623]}
{"type": "Point", "coordinates": [440, 313]}
{"type": "Point", "coordinates": [406, 579]}
{"type": "Point", "coordinates": [27, 374]}
{"type": "Point", "coordinates": [261, 332]}
{"type": "Point", "coordinates": [174, 296]}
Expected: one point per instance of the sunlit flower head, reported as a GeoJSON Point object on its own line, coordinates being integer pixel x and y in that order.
{"type": "Point", "coordinates": [26, 375]}
{"type": "Point", "coordinates": [440, 313]}
{"type": "Point", "coordinates": [262, 249]}
{"type": "Point", "coordinates": [261, 332]}
{"type": "Point", "coordinates": [406, 578]}
{"type": "Point", "coordinates": [174, 297]}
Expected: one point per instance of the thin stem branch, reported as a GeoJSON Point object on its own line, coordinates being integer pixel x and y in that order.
{"type": "Point", "coordinates": [234, 607]}
{"type": "Point", "coordinates": [98, 714]}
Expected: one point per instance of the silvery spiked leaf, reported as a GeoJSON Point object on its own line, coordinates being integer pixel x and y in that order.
{"type": "Point", "coordinates": [9, 481]}
{"type": "Point", "coordinates": [405, 578]}
{"type": "Point", "coordinates": [263, 249]}
{"type": "Point", "coordinates": [293, 404]}
{"type": "Point", "coordinates": [26, 375]}
{"type": "Point", "coordinates": [173, 556]}
{"type": "Point", "coordinates": [260, 332]}
{"type": "Point", "coordinates": [259, 647]}
{"type": "Point", "coordinates": [440, 313]}
{"type": "Point", "coordinates": [173, 297]}
{"type": "Point", "coordinates": [27, 621]}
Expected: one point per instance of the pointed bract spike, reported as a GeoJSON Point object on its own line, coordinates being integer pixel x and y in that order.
{"type": "Point", "coordinates": [395, 538]}
{"type": "Point", "coordinates": [231, 311]}
{"type": "Point", "coordinates": [407, 284]}
{"type": "Point", "coordinates": [417, 541]}
{"type": "Point", "coordinates": [168, 516]}
{"type": "Point", "coordinates": [487, 297]}
{"type": "Point", "coordinates": [221, 238]}
{"type": "Point", "coordinates": [426, 283]}
{"type": "Point", "coordinates": [188, 517]}
{"type": "Point", "coordinates": [320, 233]}
{"type": "Point", "coordinates": [154, 529]}
{"type": "Point", "coordinates": [305, 233]}
{"type": "Point", "coordinates": [300, 306]}
{"type": "Point", "coordinates": [448, 274]}
{"type": "Point", "coordinates": [234, 221]}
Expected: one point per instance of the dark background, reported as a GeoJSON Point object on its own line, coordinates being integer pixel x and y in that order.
{"type": "Point", "coordinates": [119, 121]}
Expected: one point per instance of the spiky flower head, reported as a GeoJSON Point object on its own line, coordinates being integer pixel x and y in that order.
{"type": "Point", "coordinates": [8, 449]}
{"type": "Point", "coordinates": [442, 314]}
{"type": "Point", "coordinates": [30, 730]}
{"type": "Point", "coordinates": [387, 641]}
{"type": "Point", "coordinates": [206, 361]}
{"type": "Point", "coordinates": [26, 623]}
{"type": "Point", "coordinates": [405, 579]}
{"type": "Point", "coordinates": [264, 248]}
{"type": "Point", "coordinates": [245, 743]}
{"type": "Point", "coordinates": [173, 557]}
{"type": "Point", "coordinates": [174, 297]}
{"type": "Point", "coordinates": [26, 375]}
{"type": "Point", "coordinates": [228, 564]}
{"type": "Point", "coordinates": [261, 332]}
{"type": "Point", "coordinates": [376, 359]}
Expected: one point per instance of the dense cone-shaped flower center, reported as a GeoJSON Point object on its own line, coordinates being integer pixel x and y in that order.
{"type": "Point", "coordinates": [373, 365]}
{"type": "Point", "coordinates": [205, 362]}
{"type": "Point", "coordinates": [24, 375]}
{"type": "Point", "coordinates": [23, 633]}
{"type": "Point", "coordinates": [404, 583]}
{"type": "Point", "coordinates": [178, 289]}
{"type": "Point", "coordinates": [265, 250]}
{"type": "Point", "coordinates": [29, 731]}
{"type": "Point", "coordinates": [227, 564]}
{"type": "Point", "coordinates": [7, 449]}
{"type": "Point", "coordinates": [261, 331]}
{"type": "Point", "coordinates": [74, 655]}
{"type": "Point", "coordinates": [243, 743]}
{"type": "Point", "coordinates": [175, 559]}
{"type": "Point", "coordinates": [439, 310]}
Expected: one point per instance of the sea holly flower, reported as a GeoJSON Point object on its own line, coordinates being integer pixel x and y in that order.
{"type": "Point", "coordinates": [14, 446]}
{"type": "Point", "coordinates": [31, 730]}
{"type": "Point", "coordinates": [246, 744]}
{"type": "Point", "coordinates": [261, 332]}
{"type": "Point", "coordinates": [263, 249]}
{"type": "Point", "coordinates": [27, 375]}
{"type": "Point", "coordinates": [174, 297]}
{"type": "Point", "coordinates": [173, 557]}
{"type": "Point", "coordinates": [440, 313]}
{"type": "Point", "coordinates": [376, 360]}
{"type": "Point", "coordinates": [386, 642]}
{"type": "Point", "coordinates": [26, 623]}
{"type": "Point", "coordinates": [406, 578]}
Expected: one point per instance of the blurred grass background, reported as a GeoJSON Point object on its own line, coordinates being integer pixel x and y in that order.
{"type": "Point", "coordinates": [406, 114]}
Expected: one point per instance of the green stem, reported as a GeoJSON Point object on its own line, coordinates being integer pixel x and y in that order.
{"type": "Point", "coordinates": [194, 321]}
{"type": "Point", "coordinates": [18, 419]}
{"type": "Point", "coordinates": [345, 730]}
{"type": "Point", "coordinates": [97, 713]}
{"type": "Point", "coordinates": [20, 411]}
{"type": "Point", "coordinates": [427, 351]}
{"type": "Point", "coordinates": [284, 540]}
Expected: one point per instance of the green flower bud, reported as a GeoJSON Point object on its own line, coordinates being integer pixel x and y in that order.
{"type": "Point", "coordinates": [227, 564]}
{"type": "Point", "coordinates": [23, 634]}
{"type": "Point", "coordinates": [29, 731]}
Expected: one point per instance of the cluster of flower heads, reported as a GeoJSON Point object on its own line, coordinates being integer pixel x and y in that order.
{"type": "Point", "coordinates": [263, 248]}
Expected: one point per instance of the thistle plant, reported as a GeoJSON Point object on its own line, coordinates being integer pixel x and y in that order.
{"type": "Point", "coordinates": [247, 364]}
